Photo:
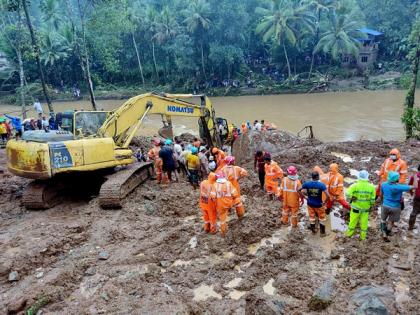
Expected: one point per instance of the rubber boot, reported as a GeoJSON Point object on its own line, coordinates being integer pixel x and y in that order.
{"type": "Point", "coordinates": [328, 211]}
{"type": "Point", "coordinates": [384, 232]}
{"type": "Point", "coordinates": [411, 223]}
{"type": "Point", "coordinates": [312, 228]}
{"type": "Point", "coordinates": [322, 230]}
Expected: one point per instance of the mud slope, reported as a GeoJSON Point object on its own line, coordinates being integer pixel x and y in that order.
{"type": "Point", "coordinates": [151, 256]}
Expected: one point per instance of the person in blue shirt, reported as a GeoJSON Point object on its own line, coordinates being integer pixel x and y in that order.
{"type": "Point", "coordinates": [17, 124]}
{"type": "Point", "coordinates": [391, 193]}
{"type": "Point", "coordinates": [315, 191]}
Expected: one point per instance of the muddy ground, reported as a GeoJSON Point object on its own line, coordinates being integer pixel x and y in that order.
{"type": "Point", "coordinates": [151, 257]}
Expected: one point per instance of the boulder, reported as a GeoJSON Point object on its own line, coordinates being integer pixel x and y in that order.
{"type": "Point", "coordinates": [322, 296]}
{"type": "Point", "coordinates": [372, 300]}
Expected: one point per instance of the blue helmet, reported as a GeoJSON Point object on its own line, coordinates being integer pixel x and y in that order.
{"type": "Point", "coordinates": [393, 177]}
{"type": "Point", "coordinates": [363, 174]}
{"type": "Point", "coordinates": [168, 142]}
{"type": "Point", "coordinates": [194, 150]}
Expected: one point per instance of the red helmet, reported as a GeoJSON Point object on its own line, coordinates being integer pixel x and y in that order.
{"type": "Point", "coordinates": [220, 174]}
{"type": "Point", "coordinates": [291, 170]}
{"type": "Point", "coordinates": [230, 160]}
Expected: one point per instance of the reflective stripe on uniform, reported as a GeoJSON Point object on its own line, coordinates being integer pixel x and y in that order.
{"type": "Point", "coordinates": [220, 193]}
{"type": "Point", "coordinates": [285, 188]}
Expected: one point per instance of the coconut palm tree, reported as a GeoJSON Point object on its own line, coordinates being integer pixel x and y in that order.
{"type": "Point", "coordinates": [198, 22]}
{"type": "Point", "coordinates": [51, 12]}
{"type": "Point", "coordinates": [342, 35]}
{"type": "Point", "coordinates": [281, 22]}
{"type": "Point", "coordinates": [53, 49]}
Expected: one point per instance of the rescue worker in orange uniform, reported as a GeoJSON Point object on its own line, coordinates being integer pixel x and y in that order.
{"type": "Point", "coordinates": [220, 158]}
{"type": "Point", "coordinates": [289, 194]}
{"type": "Point", "coordinates": [226, 197]}
{"type": "Point", "coordinates": [392, 164]}
{"type": "Point", "coordinates": [244, 128]}
{"type": "Point", "coordinates": [323, 178]}
{"type": "Point", "coordinates": [233, 173]}
{"type": "Point", "coordinates": [157, 161]}
{"type": "Point", "coordinates": [335, 187]}
{"type": "Point", "coordinates": [207, 204]}
{"type": "Point", "coordinates": [273, 173]}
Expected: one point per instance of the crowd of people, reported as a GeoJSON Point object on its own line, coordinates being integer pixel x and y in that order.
{"type": "Point", "coordinates": [215, 172]}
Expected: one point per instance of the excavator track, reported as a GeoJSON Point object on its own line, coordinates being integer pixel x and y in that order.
{"type": "Point", "coordinates": [42, 194]}
{"type": "Point", "coordinates": [121, 183]}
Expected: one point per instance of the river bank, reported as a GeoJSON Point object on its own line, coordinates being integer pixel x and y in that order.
{"type": "Point", "coordinates": [386, 81]}
{"type": "Point", "coordinates": [152, 257]}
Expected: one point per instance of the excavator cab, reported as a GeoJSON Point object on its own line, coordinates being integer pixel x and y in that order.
{"type": "Point", "coordinates": [83, 124]}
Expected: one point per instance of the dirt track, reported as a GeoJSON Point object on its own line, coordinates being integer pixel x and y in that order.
{"type": "Point", "coordinates": [161, 263]}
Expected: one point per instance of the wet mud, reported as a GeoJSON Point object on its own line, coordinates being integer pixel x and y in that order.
{"type": "Point", "coordinates": [152, 256]}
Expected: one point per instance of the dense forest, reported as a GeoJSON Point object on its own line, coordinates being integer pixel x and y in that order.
{"type": "Point", "coordinates": [192, 45]}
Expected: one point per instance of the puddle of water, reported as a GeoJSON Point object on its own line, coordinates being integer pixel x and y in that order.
{"type": "Point", "coordinates": [278, 237]}
{"type": "Point", "coordinates": [345, 157]}
{"type": "Point", "coordinates": [337, 223]}
{"type": "Point", "coordinates": [366, 159]}
{"type": "Point", "coordinates": [204, 292]}
{"type": "Point", "coordinates": [236, 294]}
{"type": "Point", "coordinates": [182, 263]}
{"type": "Point", "coordinates": [233, 283]}
{"type": "Point", "coordinates": [268, 287]}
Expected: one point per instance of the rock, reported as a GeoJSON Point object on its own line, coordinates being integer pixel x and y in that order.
{"type": "Point", "coordinates": [372, 300]}
{"type": "Point", "coordinates": [165, 263]}
{"type": "Point", "coordinates": [14, 276]}
{"type": "Point", "coordinates": [39, 275]}
{"type": "Point", "coordinates": [16, 306]}
{"type": "Point", "coordinates": [90, 271]}
{"type": "Point", "coordinates": [105, 296]}
{"type": "Point", "coordinates": [150, 208]}
{"type": "Point", "coordinates": [257, 304]}
{"type": "Point", "coordinates": [373, 306]}
{"type": "Point", "coordinates": [322, 296]}
{"type": "Point", "coordinates": [334, 254]}
{"type": "Point", "coordinates": [103, 255]}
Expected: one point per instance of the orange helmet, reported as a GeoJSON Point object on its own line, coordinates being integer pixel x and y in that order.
{"type": "Point", "coordinates": [215, 150]}
{"type": "Point", "coordinates": [318, 170]}
{"type": "Point", "coordinates": [334, 168]}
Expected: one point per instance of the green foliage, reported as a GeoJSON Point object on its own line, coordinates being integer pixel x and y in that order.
{"type": "Point", "coordinates": [42, 301]}
{"type": "Point", "coordinates": [185, 43]}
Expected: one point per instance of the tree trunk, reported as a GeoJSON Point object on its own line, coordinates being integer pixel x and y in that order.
{"type": "Point", "coordinates": [138, 57]}
{"type": "Point", "coordinates": [85, 59]}
{"type": "Point", "coordinates": [154, 61]}
{"type": "Point", "coordinates": [37, 58]}
{"type": "Point", "coordinates": [287, 61]}
{"type": "Point", "coordinates": [202, 60]}
{"type": "Point", "coordinates": [409, 99]}
{"type": "Point", "coordinates": [22, 83]}
{"type": "Point", "coordinates": [312, 65]}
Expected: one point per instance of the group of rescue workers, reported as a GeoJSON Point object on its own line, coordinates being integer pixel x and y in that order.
{"type": "Point", "coordinates": [220, 190]}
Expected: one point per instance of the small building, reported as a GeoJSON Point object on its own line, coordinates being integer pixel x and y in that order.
{"type": "Point", "coordinates": [368, 51]}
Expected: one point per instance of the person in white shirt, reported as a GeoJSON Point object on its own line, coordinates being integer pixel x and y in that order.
{"type": "Point", "coordinates": [38, 107]}
{"type": "Point", "coordinates": [257, 126]}
{"type": "Point", "coordinates": [45, 123]}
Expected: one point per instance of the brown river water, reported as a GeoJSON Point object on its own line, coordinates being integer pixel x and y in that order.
{"type": "Point", "coordinates": [337, 116]}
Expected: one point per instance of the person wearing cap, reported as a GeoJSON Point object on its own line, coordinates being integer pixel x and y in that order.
{"type": "Point", "coordinates": [226, 197]}
{"type": "Point", "coordinates": [233, 173]}
{"type": "Point", "coordinates": [391, 195]}
{"type": "Point", "coordinates": [212, 164]}
{"type": "Point", "coordinates": [335, 188]}
{"type": "Point", "coordinates": [193, 167]}
{"type": "Point", "coordinates": [315, 191]}
{"type": "Point", "coordinates": [292, 200]}
{"type": "Point", "coordinates": [168, 161]}
{"type": "Point", "coordinates": [273, 173]}
{"type": "Point", "coordinates": [157, 161]}
{"type": "Point", "coordinates": [361, 196]}
{"type": "Point", "coordinates": [207, 204]}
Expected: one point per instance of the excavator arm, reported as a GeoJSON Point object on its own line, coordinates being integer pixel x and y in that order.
{"type": "Point", "coordinates": [124, 122]}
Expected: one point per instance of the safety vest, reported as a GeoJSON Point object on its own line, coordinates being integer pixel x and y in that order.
{"type": "Point", "coordinates": [271, 170]}
{"type": "Point", "coordinates": [230, 172]}
{"type": "Point", "coordinates": [335, 183]}
{"type": "Point", "coordinates": [389, 163]}
{"type": "Point", "coordinates": [223, 190]}
{"type": "Point", "coordinates": [364, 194]}
{"type": "Point", "coordinates": [286, 188]}
{"type": "Point", "coordinates": [205, 191]}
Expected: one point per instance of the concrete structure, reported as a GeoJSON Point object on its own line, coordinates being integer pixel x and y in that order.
{"type": "Point", "coordinates": [368, 51]}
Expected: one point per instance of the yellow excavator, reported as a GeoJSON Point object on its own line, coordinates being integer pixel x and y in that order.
{"type": "Point", "coordinates": [96, 143]}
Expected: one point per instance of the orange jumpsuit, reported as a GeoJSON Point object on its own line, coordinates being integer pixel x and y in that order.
{"type": "Point", "coordinates": [154, 155]}
{"type": "Point", "coordinates": [289, 194]}
{"type": "Point", "coordinates": [323, 178]}
{"type": "Point", "coordinates": [226, 197]}
{"type": "Point", "coordinates": [273, 172]}
{"type": "Point", "coordinates": [233, 173]}
{"type": "Point", "coordinates": [335, 185]}
{"type": "Point", "coordinates": [207, 204]}
{"type": "Point", "coordinates": [244, 129]}
{"type": "Point", "coordinates": [220, 159]}
{"type": "Point", "coordinates": [399, 166]}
